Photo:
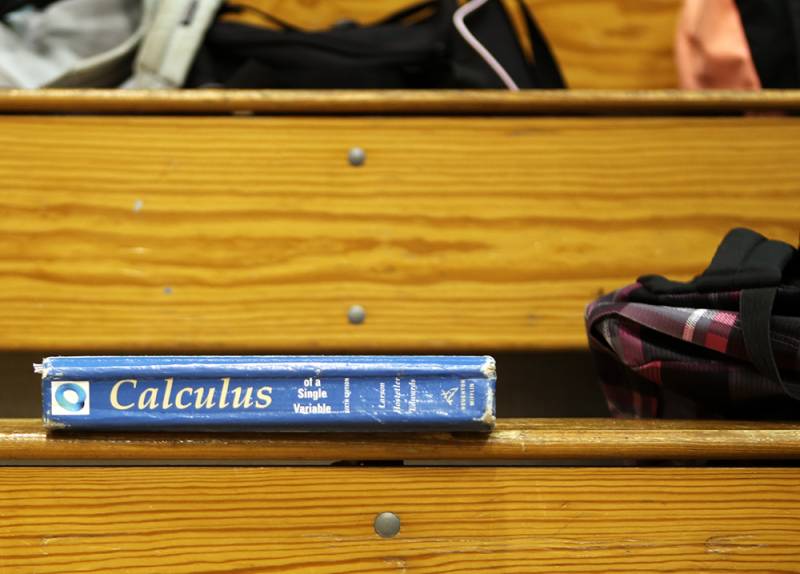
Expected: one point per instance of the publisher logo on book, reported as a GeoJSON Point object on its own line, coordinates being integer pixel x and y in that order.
{"type": "Point", "coordinates": [69, 398]}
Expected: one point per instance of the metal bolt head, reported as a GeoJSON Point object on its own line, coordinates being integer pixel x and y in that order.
{"type": "Point", "coordinates": [387, 524]}
{"type": "Point", "coordinates": [356, 156]}
{"type": "Point", "coordinates": [356, 314]}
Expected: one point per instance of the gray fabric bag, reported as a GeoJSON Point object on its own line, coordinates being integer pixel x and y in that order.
{"type": "Point", "coordinates": [103, 43]}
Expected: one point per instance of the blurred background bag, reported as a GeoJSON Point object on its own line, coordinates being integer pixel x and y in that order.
{"type": "Point", "coordinates": [70, 43]}
{"type": "Point", "coordinates": [772, 28]}
{"type": "Point", "coordinates": [159, 43]}
{"type": "Point", "coordinates": [418, 47]}
{"type": "Point", "coordinates": [100, 43]}
{"type": "Point", "coordinates": [738, 44]}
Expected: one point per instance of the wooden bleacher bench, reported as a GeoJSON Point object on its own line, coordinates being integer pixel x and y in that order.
{"type": "Point", "coordinates": [211, 230]}
{"type": "Point", "coordinates": [480, 222]}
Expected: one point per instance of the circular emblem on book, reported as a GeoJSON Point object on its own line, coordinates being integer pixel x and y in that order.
{"type": "Point", "coordinates": [71, 397]}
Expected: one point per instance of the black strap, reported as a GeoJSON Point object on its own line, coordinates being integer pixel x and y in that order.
{"type": "Point", "coordinates": [233, 8]}
{"type": "Point", "coordinates": [545, 68]}
{"type": "Point", "coordinates": [369, 45]}
{"type": "Point", "coordinates": [745, 259]}
{"type": "Point", "coordinates": [755, 314]}
{"type": "Point", "coordinates": [409, 11]}
{"type": "Point", "coordinates": [444, 9]}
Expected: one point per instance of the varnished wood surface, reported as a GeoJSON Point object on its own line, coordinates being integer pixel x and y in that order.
{"type": "Point", "coordinates": [509, 520]}
{"type": "Point", "coordinates": [255, 234]}
{"type": "Point", "coordinates": [25, 441]}
{"type": "Point", "coordinates": [390, 102]}
{"type": "Point", "coordinates": [598, 43]}
{"type": "Point", "coordinates": [612, 44]}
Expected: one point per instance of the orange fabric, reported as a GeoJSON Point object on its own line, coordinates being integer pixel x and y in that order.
{"type": "Point", "coordinates": [711, 48]}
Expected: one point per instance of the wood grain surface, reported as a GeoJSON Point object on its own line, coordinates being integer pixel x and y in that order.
{"type": "Point", "coordinates": [598, 43]}
{"type": "Point", "coordinates": [394, 102]}
{"type": "Point", "coordinates": [510, 520]}
{"type": "Point", "coordinates": [612, 44]}
{"type": "Point", "coordinates": [24, 440]}
{"type": "Point", "coordinates": [254, 234]}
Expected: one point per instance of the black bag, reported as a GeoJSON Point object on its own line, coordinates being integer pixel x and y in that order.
{"type": "Point", "coordinates": [772, 28]}
{"type": "Point", "coordinates": [415, 48]}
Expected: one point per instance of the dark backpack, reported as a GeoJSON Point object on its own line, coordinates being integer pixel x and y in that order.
{"type": "Point", "coordinates": [726, 344]}
{"type": "Point", "coordinates": [415, 48]}
{"type": "Point", "coordinates": [772, 28]}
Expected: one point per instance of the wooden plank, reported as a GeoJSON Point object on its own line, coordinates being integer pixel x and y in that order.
{"type": "Point", "coordinates": [598, 43]}
{"type": "Point", "coordinates": [458, 234]}
{"type": "Point", "coordinates": [612, 44]}
{"type": "Point", "coordinates": [510, 520]}
{"type": "Point", "coordinates": [388, 102]}
{"type": "Point", "coordinates": [513, 439]}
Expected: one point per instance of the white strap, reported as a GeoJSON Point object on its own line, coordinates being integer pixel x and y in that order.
{"type": "Point", "coordinates": [170, 46]}
{"type": "Point", "coordinates": [458, 21]}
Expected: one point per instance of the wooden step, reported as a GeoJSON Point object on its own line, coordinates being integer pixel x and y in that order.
{"type": "Point", "coordinates": [395, 102]}
{"type": "Point", "coordinates": [24, 440]}
{"type": "Point", "coordinates": [508, 520]}
{"type": "Point", "coordinates": [458, 233]}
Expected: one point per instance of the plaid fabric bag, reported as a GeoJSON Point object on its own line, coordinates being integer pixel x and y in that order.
{"type": "Point", "coordinates": [726, 344]}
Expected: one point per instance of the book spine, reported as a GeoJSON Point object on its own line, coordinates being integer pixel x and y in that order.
{"type": "Point", "coordinates": [236, 403]}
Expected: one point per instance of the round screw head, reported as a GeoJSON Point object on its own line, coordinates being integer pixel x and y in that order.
{"type": "Point", "coordinates": [356, 314]}
{"type": "Point", "coordinates": [356, 156]}
{"type": "Point", "coordinates": [387, 524]}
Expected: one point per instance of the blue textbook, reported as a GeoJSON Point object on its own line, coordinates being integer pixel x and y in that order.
{"type": "Point", "coordinates": [295, 393]}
